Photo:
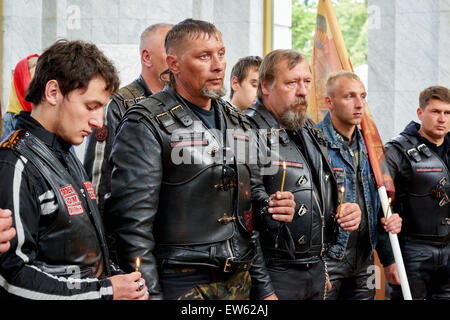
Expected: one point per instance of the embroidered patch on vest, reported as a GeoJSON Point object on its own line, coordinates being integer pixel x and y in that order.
{"type": "Point", "coordinates": [90, 190]}
{"type": "Point", "coordinates": [429, 169]}
{"type": "Point", "coordinates": [240, 137]}
{"type": "Point", "coordinates": [72, 200]}
{"type": "Point", "coordinates": [101, 133]}
{"type": "Point", "coordinates": [288, 164]}
{"type": "Point", "coordinates": [249, 220]}
{"type": "Point", "coordinates": [189, 143]}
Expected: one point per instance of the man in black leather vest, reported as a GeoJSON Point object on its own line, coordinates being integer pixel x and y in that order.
{"type": "Point", "coordinates": [59, 251]}
{"type": "Point", "coordinates": [419, 161]}
{"type": "Point", "coordinates": [180, 197]}
{"type": "Point", "coordinates": [99, 143]}
{"type": "Point", "coordinates": [294, 252]}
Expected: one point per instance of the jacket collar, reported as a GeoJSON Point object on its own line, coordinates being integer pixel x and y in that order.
{"type": "Point", "coordinates": [25, 121]}
{"type": "Point", "coordinates": [336, 140]}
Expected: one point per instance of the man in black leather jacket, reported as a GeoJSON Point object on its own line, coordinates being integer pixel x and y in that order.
{"type": "Point", "coordinates": [180, 198]}
{"type": "Point", "coordinates": [294, 252]}
{"type": "Point", "coordinates": [419, 161]}
{"type": "Point", "coordinates": [99, 143]}
{"type": "Point", "coordinates": [59, 251]}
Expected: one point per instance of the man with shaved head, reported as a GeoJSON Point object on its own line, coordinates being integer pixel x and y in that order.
{"type": "Point", "coordinates": [99, 143]}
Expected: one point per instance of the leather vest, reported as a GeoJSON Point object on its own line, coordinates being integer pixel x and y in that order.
{"type": "Point", "coordinates": [314, 204]}
{"type": "Point", "coordinates": [205, 190]}
{"type": "Point", "coordinates": [425, 206]}
{"type": "Point", "coordinates": [130, 95]}
{"type": "Point", "coordinates": [76, 235]}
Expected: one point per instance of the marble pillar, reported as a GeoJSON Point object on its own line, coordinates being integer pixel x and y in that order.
{"type": "Point", "coordinates": [409, 47]}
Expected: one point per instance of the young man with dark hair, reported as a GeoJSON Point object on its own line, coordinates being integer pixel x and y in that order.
{"type": "Point", "coordinates": [59, 251]}
{"type": "Point", "coordinates": [244, 82]}
{"type": "Point", "coordinates": [419, 161]}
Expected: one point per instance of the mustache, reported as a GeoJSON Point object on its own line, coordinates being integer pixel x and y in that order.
{"type": "Point", "coordinates": [301, 101]}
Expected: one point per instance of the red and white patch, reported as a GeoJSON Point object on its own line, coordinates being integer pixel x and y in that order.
{"type": "Point", "coordinates": [249, 220]}
{"type": "Point", "coordinates": [90, 190]}
{"type": "Point", "coordinates": [189, 143]}
{"type": "Point", "coordinates": [288, 164]}
{"type": "Point", "coordinates": [240, 137]}
{"type": "Point", "coordinates": [72, 200]}
{"type": "Point", "coordinates": [429, 169]}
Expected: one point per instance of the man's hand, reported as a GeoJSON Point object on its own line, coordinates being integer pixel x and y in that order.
{"type": "Point", "coordinates": [6, 231]}
{"type": "Point", "coordinates": [391, 273]}
{"type": "Point", "coordinates": [393, 224]}
{"type": "Point", "coordinates": [129, 287]}
{"type": "Point", "coordinates": [273, 296]}
{"type": "Point", "coordinates": [282, 206]}
{"type": "Point", "coordinates": [350, 216]}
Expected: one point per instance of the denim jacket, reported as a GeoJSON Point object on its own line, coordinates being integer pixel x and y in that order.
{"type": "Point", "coordinates": [346, 176]}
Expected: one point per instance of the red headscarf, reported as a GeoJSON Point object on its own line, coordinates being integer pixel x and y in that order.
{"type": "Point", "coordinates": [22, 80]}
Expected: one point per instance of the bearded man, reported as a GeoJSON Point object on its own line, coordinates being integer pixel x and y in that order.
{"type": "Point", "coordinates": [294, 252]}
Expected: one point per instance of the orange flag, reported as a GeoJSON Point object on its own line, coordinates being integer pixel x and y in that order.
{"type": "Point", "coordinates": [330, 55]}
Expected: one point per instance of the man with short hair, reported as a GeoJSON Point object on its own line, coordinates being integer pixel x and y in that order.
{"type": "Point", "coordinates": [244, 82]}
{"type": "Point", "coordinates": [294, 252]}
{"type": "Point", "coordinates": [99, 143]}
{"type": "Point", "coordinates": [180, 196]}
{"type": "Point", "coordinates": [59, 251]}
{"type": "Point", "coordinates": [350, 259]}
{"type": "Point", "coordinates": [419, 161]}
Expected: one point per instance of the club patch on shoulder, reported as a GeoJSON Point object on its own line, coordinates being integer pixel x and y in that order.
{"type": "Point", "coordinates": [90, 190]}
{"type": "Point", "coordinates": [72, 200]}
{"type": "Point", "coordinates": [101, 133]}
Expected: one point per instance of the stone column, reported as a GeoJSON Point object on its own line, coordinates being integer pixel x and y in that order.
{"type": "Point", "coordinates": [409, 50]}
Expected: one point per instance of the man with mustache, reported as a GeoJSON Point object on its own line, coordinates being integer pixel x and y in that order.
{"type": "Point", "coordinates": [180, 199]}
{"type": "Point", "coordinates": [419, 162]}
{"type": "Point", "coordinates": [294, 252]}
{"type": "Point", "coordinates": [351, 257]}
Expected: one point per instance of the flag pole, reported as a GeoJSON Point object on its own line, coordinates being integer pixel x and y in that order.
{"type": "Point", "coordinates": [395, 247]}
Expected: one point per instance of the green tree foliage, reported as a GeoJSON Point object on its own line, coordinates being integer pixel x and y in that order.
{"type": "Point", "coordinates": [352, 18]}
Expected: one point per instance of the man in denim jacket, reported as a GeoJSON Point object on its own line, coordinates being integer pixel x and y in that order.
{"type": "Point", "coordinates": [350, 259]}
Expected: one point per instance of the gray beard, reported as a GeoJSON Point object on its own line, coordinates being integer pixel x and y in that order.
{"type": "Point", "coordinates": [293, 120]}
{"type": "Point", "coordinates": [213, 94]}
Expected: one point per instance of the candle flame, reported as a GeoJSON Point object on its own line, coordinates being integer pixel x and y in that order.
{"type": "Point", "coordinates": [342, 189]}
{"type": "Point", "coordinates": [284, 165]}
{"type": "Point", "coordinates": [138, 262]}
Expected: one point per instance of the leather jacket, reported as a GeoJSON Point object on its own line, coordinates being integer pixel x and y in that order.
{"type": "Point", "coordinates": [59, 230]}
{"type": "Point", "coordinates": [309, 177]}
{"type": "Point", "coordinates": [99, 143]}
{"type": "Point", "coordinates": [178, 196]}
{"type": "Point", "coordinates": [422, 183]}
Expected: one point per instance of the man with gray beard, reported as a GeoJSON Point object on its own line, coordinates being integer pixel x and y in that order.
{"type": "Point", "coordinates": [294, 252]}
{"type": "Point", "coordinates": [189, 222]}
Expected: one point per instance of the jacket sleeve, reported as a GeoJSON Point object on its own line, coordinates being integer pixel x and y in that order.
{"type": "Point", "coordinates": [131, 208]}
{"type": "Point", "coordinates": [19, 276]}
{"type": "Point", "coordinates": [96, 157]}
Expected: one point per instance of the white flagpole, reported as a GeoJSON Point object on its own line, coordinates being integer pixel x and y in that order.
{"type": "Point", "coordinates": [395, 248]}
